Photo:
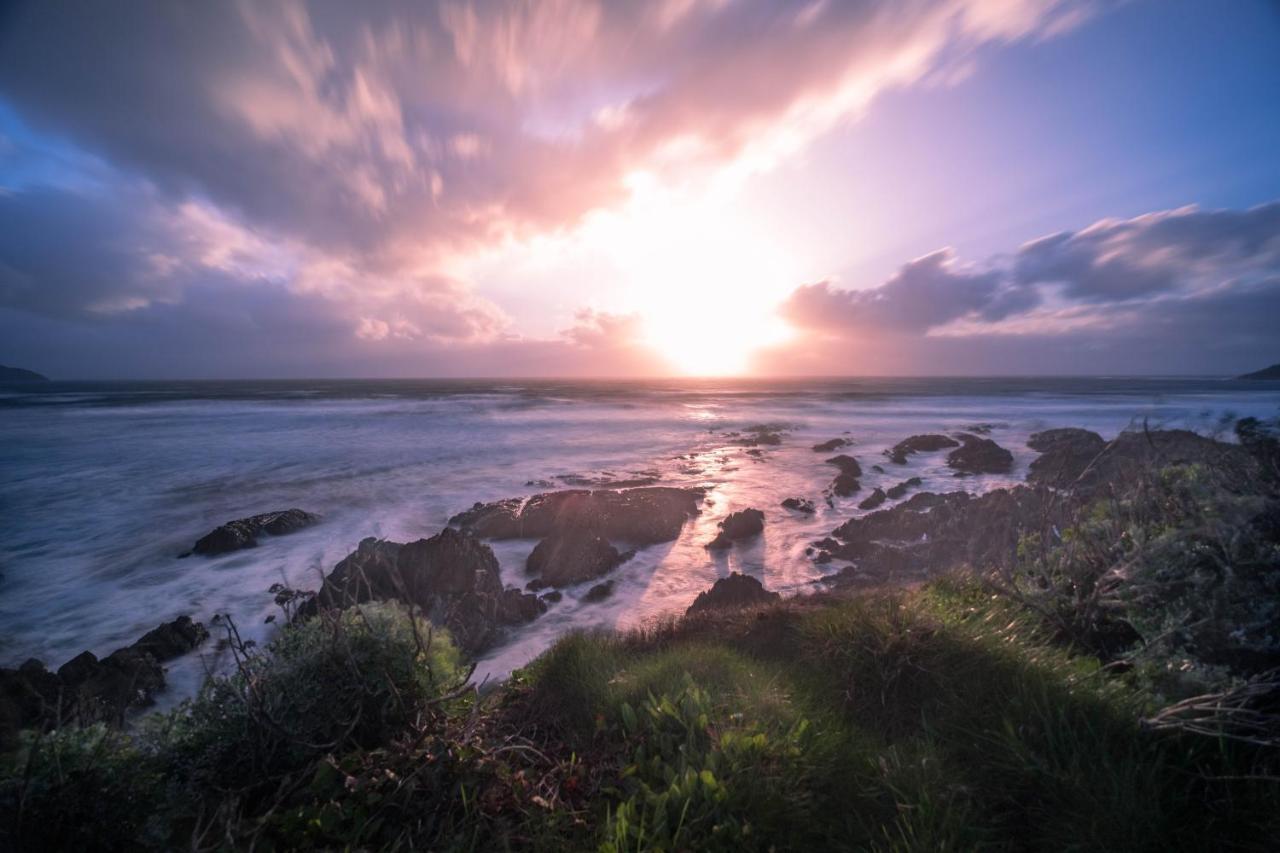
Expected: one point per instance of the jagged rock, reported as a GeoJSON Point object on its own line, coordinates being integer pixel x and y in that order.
{"type": "Point", "coordinates": [731, 593]}
{"type": "Point", "coordinates": [895, 492]}
{"type": "Point", "coordinates": [802, 505]}
{"type": "Point", "coordinates": [516, 608]}
{"type": "Point", "coordinates": [572, 557]}
{"type": "Point", "coordinates": [979, 455]}
{"type": "Point", "coordinates": [919, 444]}
{"type": "Point", "coordinates": [1073, 460]}
{"type": "Point", "coordinates": [847, 464]}
{"type": "Point", "coordinates": [833, 444]}
{"type": "Point", "coordinates": [244, 532]}
{"type": "Point", "coordinates": [642, 516]}
{"type": "Point", "coordinates": [930, 533]}
{"type": "Point", "coordinates": [845, 485]}
{"type": "Point", "coordinates": [738, 525]}
{"type": "Point", "coordinates": [599, 592]}
{"type": "Point", "coordinates": [760, 434]}
{"type": "Point", "coordinates": [87, 689]}
{"type": "Point", "coordinates": [453, 577]}
{"type": "Point", "coordinates": [874, 499]}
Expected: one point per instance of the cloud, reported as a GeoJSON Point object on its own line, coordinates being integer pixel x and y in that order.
{"type": "Point", "coordinates": [1180, 290]}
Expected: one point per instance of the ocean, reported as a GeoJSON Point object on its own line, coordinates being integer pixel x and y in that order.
{"type": "Point", "coordinates": [104, 485]}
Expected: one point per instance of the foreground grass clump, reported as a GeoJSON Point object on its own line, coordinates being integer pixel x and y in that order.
{"type": "Point", "coordinates": [940, 718]}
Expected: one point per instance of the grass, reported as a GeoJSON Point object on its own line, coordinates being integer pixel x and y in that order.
{"type": "Point", "coordinates": [939, 718]}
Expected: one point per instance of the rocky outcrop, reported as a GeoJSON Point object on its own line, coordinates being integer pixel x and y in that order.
{"type": "Point", "coordinates": [978, 455]}
{"type": "Point", "coordinates": [895, 492]}
{"type": "Point", "coordinates": [800, 505]}
{"type": "Point", "coordinates": [732, 593]}
{"type": "Point", "coordinates": [452, 577]}
{"type": "Point", "coordinates": [573, 556]}
{"type": "Point", "coordinates": [847, 464]}
{"type": "Point", "coordinates": [737, 526]}
{"type": "Point", "coordinates": [599, 592]}
{"type": "Point", "coordinates": [919, 444]}
{"type": "Point", "coordinates": [643, 516]}
{"type": "Point", "coordinates": [87, 689]}
{"type": "Point", "coordinates": [1266, 374]}
{"type": "Point", "coordinates": [846, 482]}
{"type": "Point", "coordinates": [769, 435]}
{"type": "Point", "coordinates": [930, 533]}
{"type": "Point", "coordinates": [833, 444]}
{"type": "Point", "coordinates": [1080, 461]}
{"type": "Point", "coordinates": [244, 532]}
{"type": "Point", "coordinates": [873, 500]}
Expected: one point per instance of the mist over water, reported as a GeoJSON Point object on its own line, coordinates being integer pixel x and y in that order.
{"type": "Point", "coordinates": [105, 484]}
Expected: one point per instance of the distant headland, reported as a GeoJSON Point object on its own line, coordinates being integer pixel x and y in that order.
{"type": "Point", "coordinates": [18, 374]}
{"type": "Point", "coordinates": [1272, 372]}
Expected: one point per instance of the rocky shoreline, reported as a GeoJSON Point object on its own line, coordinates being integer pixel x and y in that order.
{"type": "Point", "coordinates": [584, 534]}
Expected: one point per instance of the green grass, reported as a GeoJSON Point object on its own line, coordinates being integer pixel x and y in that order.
{"type": "Point", "coordinates": [940, 718]}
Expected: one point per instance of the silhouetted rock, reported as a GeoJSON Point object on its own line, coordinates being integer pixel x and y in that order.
{"type": "Point", "coordinates": [738, 525]}
{"type": "Point", "coordinates": [979, 455]}
{"type": "Point", "coordinates": [642, 516]}
{"type": "Point", "coordinates": [732, 593]}
{"type": "Point", "coordinates": [599, 592]}
{"type": "Point", "coordinates": [919, 444]}
{"type": "Point", "coordinates": [759, 434]}
{"type": "Point", "coordinates": [847, 464]}
{"type": "Point", "coordinates": [244, 532]}
{"type": "Point", "coordinates": [1265, 374]}
{"type": "Point", "coordinates": [895, 492]}
{"type": "Point", "coordinates": [19, 374]}
{"type": "Point", "coordinates": [572, 557]}
{"type": "Point", "coordinates": [452, 577]}
{"type": "Point", "coordinates": [803, 505]}
{"type": "Point", "coordinates": [833, 444]}
{"type": "Point", "coordinates": [87, 689]}
{"type": "Point", "coordinates": [1074, 460]}
{"type": "Point", "coordinates": [873, 500]}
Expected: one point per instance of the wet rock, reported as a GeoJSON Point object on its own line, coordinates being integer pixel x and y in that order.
{"type": "Point", "coordinates": [599, 592]}
{"type": "Point", "coordinates": [87, 689]}
{"type": "Point", "coordinates": [919, 444]}
{"type": "Point", "coordinates": [833, 444]}
{"type": "Point", "coordinates": [979, 455]}
{"type": "Point", "coordinates": [1069, 463]}
{"type": "Point", "coordinates": [874, 499]}
{"type": "Point", "coordinates": [452, 577]}
{"type": "Point", "coordinates": [1064, 455]}
{"type": "Point", "coordinates": [552, 597]}
{"type": "Point", "coordinates": [895, 492]}
{"type": "Point", "coordinates": [845, 485]}
{"type": "Point", "coordinates": [801, 505]}
{"type": "Point", "coordinates": [732, 593]}
{"type": "Point", "coordinates": [769, 435]}
{"type": "Point", "coordinates": [877, 469]}
{"type": "Point", "coordinates": [573, 557]}
{"type": "Point", "coordinates": [738, 525]}
{"type": "Point", "coordinates": [822, 558]}
{"type": "Point", "coordinates": [847, 464]}
{"type": "Point", "coordinates": [642, 516]}
{"type": "Point", "coordinates": [244, 532]}
{"type": "Point", "coordinates": [516, 608]}
{"type": "Point", "coordinates": [930, 533]}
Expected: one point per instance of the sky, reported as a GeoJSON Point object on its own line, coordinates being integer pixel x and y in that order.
{"type": "Point", "coordinates": [683, 187]}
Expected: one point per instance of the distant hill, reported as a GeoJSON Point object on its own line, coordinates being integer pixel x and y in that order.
{"type": "Point", "coordinates": [17, 374]}
{"type": "Point", "coordinates": [1272, 372]}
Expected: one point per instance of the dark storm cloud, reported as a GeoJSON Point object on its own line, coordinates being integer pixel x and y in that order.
{"type": "Point", "coordinates": [1181, 290]}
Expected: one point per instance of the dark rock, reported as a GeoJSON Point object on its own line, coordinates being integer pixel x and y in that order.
{"type": "Point", "coordinates": [873, 500]}
{"type": "Point", "coordinates": [1265, 374]}
{"type": "Point", "coordinates": [823, 558]}
{"type": "Point", "coordinates": [833, 444]}
{"type": "Point", "coordinates": [845, 485]}
{"type": "Point", "coordinates": [847, 464]}
{"type": "Point", "coordinates": [930, 533]}
{"type": "Point", "coordinates": [552, 597]}
{"type": "Point", "coordinates": [599, 592]}
{"type": "Point", "coordinates": [20, 374]}
{"type": "Point", "coordinates": [802, 505]}
{"type": "Point", "coordinates": [244, 532]}
{"type": "Point", "coordinates": [919, 444]}
{"type": "Point", "coordinates": [732, 593]}
{"type": "Point", "coordinates": [877, 469]}
{"type": "Point", "coordinates": [895, 492]}
{"type": "Point", "coordinates": [516, 608]}
{"type": "Point", "coordinates": [642, 516]}
{"type": "Point", "coordinates": [979, 455]}
{"type": "Point", "coordinates": [452, 577]}
{"type": "Point", "coordinates": [759, 434]}
{"type": "Point", "coordinates": [172, 639]}
{"type": "Point", "coordinates": [738, 525]}
{"type": "Point", "coordinates": [1073, 460]}
{"type": "Point", "coordinates": [572, 557]}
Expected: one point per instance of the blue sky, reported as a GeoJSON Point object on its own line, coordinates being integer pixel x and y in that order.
{"type": "Point", "coordinates": [694, 186]}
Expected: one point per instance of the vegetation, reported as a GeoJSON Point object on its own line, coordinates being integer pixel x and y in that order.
{"type": "Point", "coordinates": [1115, 691]}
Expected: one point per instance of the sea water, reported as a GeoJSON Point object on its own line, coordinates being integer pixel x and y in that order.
{"type": "Point", "coordinates": [104, 485]}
